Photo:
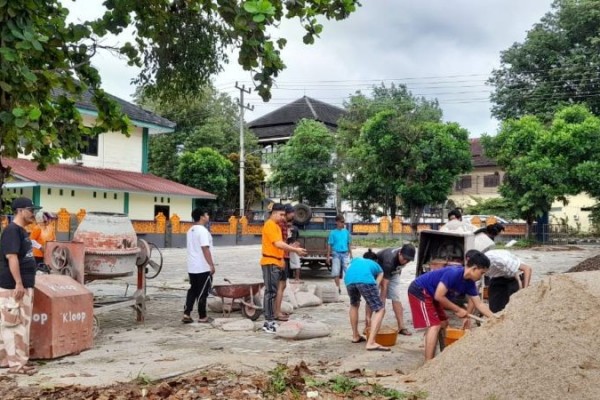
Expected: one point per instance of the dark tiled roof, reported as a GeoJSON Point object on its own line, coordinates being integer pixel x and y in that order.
{"type": "Point", "coordinates": [134, 112]}
{"type": "Point", "coordinates": [478, 155]}
{"type": "Point", "coordinates": [282, 122]}
{"type": "Point", "coordinates": [107, 179]}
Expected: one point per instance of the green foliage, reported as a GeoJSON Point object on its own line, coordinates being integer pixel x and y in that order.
{"type": "Point", "coordinates": [207, 170]}
{"type": "Point", "coordinates": [305, 162]}
{"type": "Point", "coordinates": [375, 243]}
{"type": "Point", "coordinates": [556, 65]}
{"type": "Point", "coordinates": [388, 145]}
{"type": "Point", "coordinates": [546, 163]}
{"type": "Point", "coordinates": [498, 206]}
{"type": "Point", "coordinates": [278, 379]}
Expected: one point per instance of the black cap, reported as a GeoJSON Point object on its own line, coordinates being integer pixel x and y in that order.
{"type": "Point", "coordinates": [408, 252]}
{"type": "Point", "coordinates": [278, 207]}
{"type": "Point", "coordinates": [289, 209]}
{"type": "Point", "coordinates": [23, 202]}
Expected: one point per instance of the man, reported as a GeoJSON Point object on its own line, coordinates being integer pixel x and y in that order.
{"type": "Point", "coordinates": [507, 275]}
{"type": "Point", "coordinates": [288, 235]}
{"type": "Point", "coordinates": [273, 267]}
{"type": "Point", "coordinates": [201, 266]}
{"type": "Point", "coordinates": [392, 261]}
{"type": "Point", "coordinates": [339, 250]}
{"type": "Point", "coordinates": [432, 292]}
{"type": "Point", "coordinates": [362, 280]}
{"type": "Point", "coordinates": [455, 223]}
{"type": "Point", "coordinates": [17, 279]}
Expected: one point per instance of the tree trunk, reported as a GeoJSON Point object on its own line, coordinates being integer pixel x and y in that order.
{"type": "Point", "coordinates": [415, 216]}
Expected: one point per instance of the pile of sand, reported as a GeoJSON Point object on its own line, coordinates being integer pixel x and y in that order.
{"type": "Point", "coordinates": [590, 264]}
{"type": "Point", "coordinates": [545, 345]}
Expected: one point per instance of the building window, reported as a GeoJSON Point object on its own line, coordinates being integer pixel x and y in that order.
{"type": "Point", "coordinates": [94, 194]}
{"type": "Point", "coordinates": [464, 182]}
{"type": "Point", "coordinates": [115, 196]}
{"type": "Point", "coordinates": [90, 146]}
{"type": "Point", "coordinates": [72, 193]}
{"type": "Point", "coordinates": [491, 180]}
{"type": "Point", "coordinates": [49, 191]}
{"type": "Point", "coordinates": [105, 195]}
{"type": "Point", "coordinates": [60, 192]}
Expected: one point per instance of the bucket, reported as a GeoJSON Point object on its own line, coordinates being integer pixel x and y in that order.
{"type": "Point", "coordinates": [486, 293]}
{"type": "Point", "coordinates": [452, 335]}
{"type": "Point", "coordinates": [385, 337]}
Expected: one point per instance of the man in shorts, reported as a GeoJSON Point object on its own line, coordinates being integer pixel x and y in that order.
{"type": "Point", "coordinates": [362, 279]}
{"type": "Point", "coordinates": [339, 251]}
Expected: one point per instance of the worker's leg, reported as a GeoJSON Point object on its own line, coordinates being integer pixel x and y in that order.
{"type": "Point", "coordinates": [281, 289]}
{"type": "Point", "coordinates": [193, 293]}
{"type": "Point", "coordinates": [373, 299]}
{"type": "Point", "coordinates": [354, 295]}
{"type": "Point", "coordinates": [335, 270]}
{"type": "Point", "coordinates": [394, 294]}
{"type": "Point", "coordinates": [431, 340]}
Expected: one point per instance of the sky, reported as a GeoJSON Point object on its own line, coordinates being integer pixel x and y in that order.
{"type": "Point", "coordinates": [438, 48]}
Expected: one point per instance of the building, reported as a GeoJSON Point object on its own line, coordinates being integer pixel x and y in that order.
{"type": "Point", "coordinates": [486, 177]}
{"type": "Point", "coordinates": [275, 128]}
{"type": "Point", "coordinates": [110, 176]}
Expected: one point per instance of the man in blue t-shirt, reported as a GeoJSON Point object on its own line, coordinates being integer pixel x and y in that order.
{"type": "Point", "coordinates": [338, 250]}
{"type": "Point", "coordinates": [362, 279]}
{"type": "Point", "coordinates": [432, 292]}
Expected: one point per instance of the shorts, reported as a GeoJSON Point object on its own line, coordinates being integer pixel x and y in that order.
{"type": "Point", "coordinates": [425, 310]}
{"type": "Point", "coordinates": [393, 288]}
{"type": "Point", "coordinates": [369, 291]}
{"type": "Point", "coordinates": [295, 261]}
{"type": "Point", "coordinates": [339, 264]}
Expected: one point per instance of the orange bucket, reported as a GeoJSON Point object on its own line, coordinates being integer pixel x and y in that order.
{"type": "Point", "coordinates": [386, 336]}
{"type": "Point", "coordinates": [452, 335]}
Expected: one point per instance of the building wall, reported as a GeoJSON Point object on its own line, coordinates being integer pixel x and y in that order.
{"type": "Point", "coordinates": [478, 187]}
{"type": "Point", "coordinates": [73, 200]}
{"type": "Point", "coordinates": [141, 206]}
{"type": "Point", "coordinates": [575, 213]}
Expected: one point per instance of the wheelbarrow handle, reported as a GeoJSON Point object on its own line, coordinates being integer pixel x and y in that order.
{"type": "Point", "coordinates": [476, 318]}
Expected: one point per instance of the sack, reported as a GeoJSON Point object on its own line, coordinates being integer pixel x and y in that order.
{"type": "Point", "coordinates": [294, 261]}
{"type": "Point", "coordinates": [10, 313]}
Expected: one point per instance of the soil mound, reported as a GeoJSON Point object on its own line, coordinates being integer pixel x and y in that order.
{"type": "Point", "coordinates": [544, 346]}
{"type": "Point", "coordinates": [590, 264]}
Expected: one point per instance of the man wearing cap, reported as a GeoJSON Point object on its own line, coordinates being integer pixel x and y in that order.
{"type": "Point", "coordinates": [273, 267]}
{"type": "Point", "coordinates": [17, 279]}
{"type": "Point", "coordinates": [392, 261]}
{"type": "Point", "coordinates": [289, 235]}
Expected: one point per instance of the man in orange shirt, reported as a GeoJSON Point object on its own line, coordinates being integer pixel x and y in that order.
{"type": "Point", "coordinates": [272, 265]}
{"type": "Point", "coordinates": [41, 233]}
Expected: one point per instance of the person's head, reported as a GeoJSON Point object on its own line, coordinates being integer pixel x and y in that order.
{"type": "Point", "coordinates": [406, 254]}
{"type": "Point", "coordinates": [44, 217]}
{"type": "Point", "coordinates": [494, 230]}
{"type": "Point", "coordinates": [454, 214]}
{"type": "Point", "coordinates": [290, 212]}
{"type": "Point", "coordinates": [340, 222]}
{"type": "Point", "coordinates": [370, 255]}
{"type": "Point", "coordinates": [470, 254]}
{"type": "Point", "coordinates": [277, 212]}
{"type": "Point", "coordinates": [24, 210]}
{"type": "Point", "coordinates": [478, 264]}
{"type": "Point", "coordinates": [200, 215]}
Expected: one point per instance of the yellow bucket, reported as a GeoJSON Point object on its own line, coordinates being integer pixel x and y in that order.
{"type": "Point", "coordinates": [452, 335]}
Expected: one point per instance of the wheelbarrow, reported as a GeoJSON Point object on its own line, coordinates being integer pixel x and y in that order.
{"type": "Point", "coordinates": [242, 293]}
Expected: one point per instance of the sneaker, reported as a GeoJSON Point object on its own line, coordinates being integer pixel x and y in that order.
{"type": "Point", "coordinates": [270, 327]}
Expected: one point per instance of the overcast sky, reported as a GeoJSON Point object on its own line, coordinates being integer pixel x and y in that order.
{"type": "Point", "coordinates": [438, 48]}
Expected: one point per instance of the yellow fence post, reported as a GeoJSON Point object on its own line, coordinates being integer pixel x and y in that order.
{"type": "Point", "coordinates": [384, 224]}
{"type": "Point", "coordinates": [64, 220]}
{"type": "Point", "coordinates": [175, 224]}
{"type": "Point", "coordinates": [161, 223]}
{"type": "Point", "coordinates": [233, 225]}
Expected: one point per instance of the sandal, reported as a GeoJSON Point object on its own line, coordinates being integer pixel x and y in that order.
{"type": "Point", "coordinates": [22, 370]}
{"type": "Point", "coordinates": [359, 340]}
{"type": "Point", "coordinates": [187, 319]}
{"type": "Point", "coordinates": [282, 318]}
{"type": "Point", "coordinates": [208, 320]}
{"type": "Point", "coordinates": [404, 332]}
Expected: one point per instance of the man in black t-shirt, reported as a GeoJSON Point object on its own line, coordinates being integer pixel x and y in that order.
{"type": "Point", "coordinates": [17, 279]}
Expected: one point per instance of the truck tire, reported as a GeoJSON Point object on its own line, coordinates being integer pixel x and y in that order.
{"type": "Point", "coordinates": [303, 214]}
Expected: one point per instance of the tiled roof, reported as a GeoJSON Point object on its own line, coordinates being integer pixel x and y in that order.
{"type": "Point", "coordinates": [478, 155]}
{"type": "Point", "coordinates": [282, 122]}
{"type": "Point", "coordinates": [104, 179]}
{"type": "Point", "coordinates": [134, 112]}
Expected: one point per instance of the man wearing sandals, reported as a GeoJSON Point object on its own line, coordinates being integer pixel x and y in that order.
{"type": "Point", "coordinates": [201, 266]}
{"type": "Point", "coordinates": [17, 279]}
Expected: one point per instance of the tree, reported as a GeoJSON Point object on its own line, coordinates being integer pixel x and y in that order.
{"type": "Point", "coordinates": [46, 63]}
{"type": "Point", "coordinates": [417, 163]}
{"type": "Point", "coordinates": [207, 170]}
{"type": "Point", "coordinates": [544, 163]}
{"type": "Point", "coordinates": [254, 177]}
{"type": "Point", "coordinates": [306, 164]}
{"type": "Point", "coordinates": [498, 206]}
{"type": "Point", "coordinates": [557, 64]}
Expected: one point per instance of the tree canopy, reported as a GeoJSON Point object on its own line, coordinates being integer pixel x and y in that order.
{"type": "Point", "coordinates": [207, 170]}
{"type": "Point", "coordinates": [46, 63]}
{"type": "Point", "coordinates": [558, 64]}
{"type": "Point", "coordinates": [306, 163]}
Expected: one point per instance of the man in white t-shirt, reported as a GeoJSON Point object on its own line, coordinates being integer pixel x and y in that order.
{"type": "Point", "coordinates": [201, 266]}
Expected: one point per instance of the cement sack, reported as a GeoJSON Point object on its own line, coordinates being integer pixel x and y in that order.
{"type": "Point", "coordinates": [307, 300]}
{"type": "Point", "coordinates": [328, 293]}
{"type": "Point", "coordinates": [289, 296]}
{"type": "Point", "coordinates": [215, 304]}
{"type": "Point", "coordinates": [309, 288]}
{"type": "Point", "coordinates": [238, 325]}
{"type": "Point", "coordinates": [302, 330]}
{"type": "Point", "coordinates": [286, 307]}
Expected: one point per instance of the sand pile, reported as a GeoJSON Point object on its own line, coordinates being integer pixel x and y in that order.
{"type": "Point", "coordinates": [545, 346]}
{"type": "Point", "coordinates": [590, 264]}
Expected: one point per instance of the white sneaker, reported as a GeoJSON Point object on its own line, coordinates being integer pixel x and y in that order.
{"type": "Point", "coordinates": [270, 327]}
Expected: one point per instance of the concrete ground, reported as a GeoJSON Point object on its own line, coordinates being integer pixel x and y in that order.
{"type": "Point", "coordinates": [162, 346]}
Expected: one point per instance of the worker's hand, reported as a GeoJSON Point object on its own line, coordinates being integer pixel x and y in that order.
{"type": "Point", "coordinates": [212, 269]}
{"type": "Point", "coordinates": [461, 313]}
{"type": "Point", "coordinates": [466, 323]}
{"type": "Point", "coordinates": [301, 252]}
{"type": "Point", "coordinates": [19, 291]}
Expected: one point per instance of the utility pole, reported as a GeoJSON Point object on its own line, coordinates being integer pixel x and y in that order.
{"type": "Point", "coordinates": [242, 106]}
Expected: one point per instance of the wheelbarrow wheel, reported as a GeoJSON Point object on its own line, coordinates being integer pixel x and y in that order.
{"type": "Point", "coordinates": [250, 312]}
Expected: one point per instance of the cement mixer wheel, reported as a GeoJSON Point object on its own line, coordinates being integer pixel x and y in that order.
{"type": "Point", "coordinates": [155, 262]}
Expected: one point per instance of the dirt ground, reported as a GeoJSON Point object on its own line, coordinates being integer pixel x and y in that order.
{"type": "Point", "coordinates": [162, 348]}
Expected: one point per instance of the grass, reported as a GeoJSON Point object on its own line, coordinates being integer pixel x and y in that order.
{"type": "Point", "coordinates": [346, 386]}
{"type": "Point", "coordinates": [376, 243]}
{"type": "Point", "coordinates": [278, 380]}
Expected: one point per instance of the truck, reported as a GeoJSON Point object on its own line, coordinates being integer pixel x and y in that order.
{"type": "Point", "coordinates": [314, 224]}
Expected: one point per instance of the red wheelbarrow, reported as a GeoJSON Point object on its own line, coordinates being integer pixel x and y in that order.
{"type": "Point", "coordinates": [242, 293]}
